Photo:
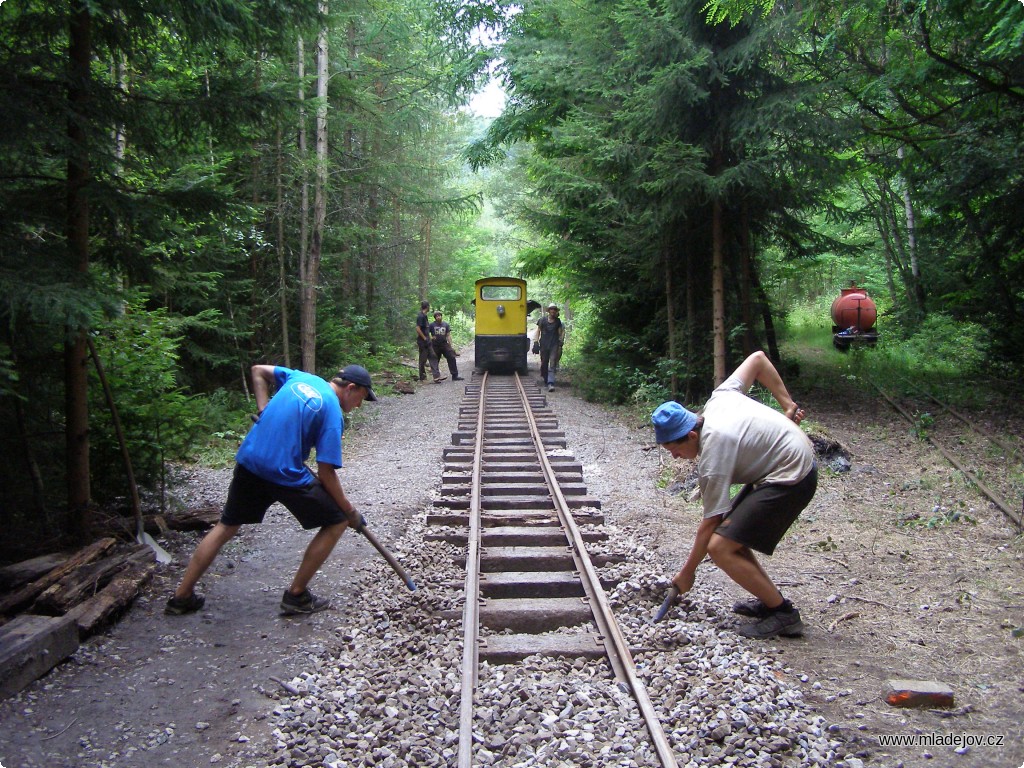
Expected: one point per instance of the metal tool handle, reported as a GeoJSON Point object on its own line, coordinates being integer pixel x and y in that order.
{"type": "Point", "coordinates": [670, 598]}
{"type": "Point", "coordinates": [364, 529]}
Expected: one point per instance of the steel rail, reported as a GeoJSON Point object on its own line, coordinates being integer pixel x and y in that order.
{"type": "Point", "coordinates": [1010, 450]}
{"type": "Point", "coordinates": [615, 644]}
{"type": "Point", "coordinates": [471, 610]}
{"type": "Point", "coordinates": [992, 495]}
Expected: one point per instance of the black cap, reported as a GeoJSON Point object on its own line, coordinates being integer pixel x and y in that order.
{"type": "Point", "coordinates": [356, 374]}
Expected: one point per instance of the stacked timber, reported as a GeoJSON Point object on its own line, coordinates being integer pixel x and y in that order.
{"type": "Point", "coordinates": [51, 603]}
{"type": "Point", "coordinates": [194, 519]}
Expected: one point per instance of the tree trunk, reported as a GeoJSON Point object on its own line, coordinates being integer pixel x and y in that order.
{"type": "Point", "coordinates": [670, 320]}
{"type": "Point", "coordinates": [746, 283]}
{"type": "Point", "coordinates": [312, 271]}
{"type": "Point", "coordinates": [120, 136]}
{"type": "Point", "coordinates": [282, 271]}
{"type": "Point", "coordinates": [76, 353]}
{"type": "Point", "coordinates": [304, 195]}
{"type": "Point", "coordinates": [347, 205]}
{"type": "Point", "coordinates": [898, 248]}
{"type": "Point", "coordinates": [691, 324]}
{"type": "Point", "coordinates": [718, 292]}
{"type": "Point", "coordinates": [915, 267]}
{"type": "Point", "coordinates": [766, 315]}
{"type": "Point", "coordinates": [428, 224]}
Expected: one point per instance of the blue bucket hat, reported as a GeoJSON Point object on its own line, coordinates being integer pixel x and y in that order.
{"type": "Point", "coordinates": [671, 421]}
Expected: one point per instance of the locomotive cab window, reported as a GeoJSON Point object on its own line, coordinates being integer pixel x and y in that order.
{"type": "Point", "coordinates": [500, 292]}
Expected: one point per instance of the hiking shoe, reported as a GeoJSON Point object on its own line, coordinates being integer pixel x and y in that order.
{"type": "Point", "coordinates": [754, 608]}
{"type": "Point", "coordinates": [785, 623]}
{"type": "Point", "coordinates": [551, 387]}
{"type": "Point", "coordinates": [458, 378]}
{"type": "Point", "coordinates": [439, 379]}
{"type": "Point", "coordinates": [307, 602]}
{"type": "Point", "coordinates": [177, 606]}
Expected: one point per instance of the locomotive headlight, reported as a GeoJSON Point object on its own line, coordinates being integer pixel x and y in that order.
{"type": "Point", "coordinates": [501, 310]}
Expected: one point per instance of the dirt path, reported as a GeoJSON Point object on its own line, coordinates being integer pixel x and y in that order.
{"type": "Point", "coordinates": [188, 691]}
{"type": "Point", "coordinates": [887, 587]}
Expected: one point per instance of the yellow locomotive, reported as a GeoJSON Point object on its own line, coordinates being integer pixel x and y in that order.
{"type": "Point", "coordinates": [501, 310]}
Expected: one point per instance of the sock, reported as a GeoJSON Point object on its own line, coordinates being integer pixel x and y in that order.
{"type": "Point", "coordinates": [784, 607]}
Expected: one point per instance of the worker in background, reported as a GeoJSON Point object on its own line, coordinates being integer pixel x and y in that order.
{"type": "Point", "coordinates": [548, 338]}
{"type": "Point", "coordinates": [426, 348]}
{"type": "Point", "coordinates": [441, 338]}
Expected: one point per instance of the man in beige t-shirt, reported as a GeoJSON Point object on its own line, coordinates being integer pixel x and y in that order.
{"type": "Point", "coordinates": [739, 440]}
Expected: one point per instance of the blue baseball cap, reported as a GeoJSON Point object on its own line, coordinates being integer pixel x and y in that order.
{"type": "Point", "coordinates": [671, 421]}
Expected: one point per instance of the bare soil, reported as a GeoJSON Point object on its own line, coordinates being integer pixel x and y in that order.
{"type": "Point", "coordinates": [889, 585]}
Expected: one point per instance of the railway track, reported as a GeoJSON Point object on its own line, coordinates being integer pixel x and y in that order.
{"type": "Point", "coordinates": [530, 585]}
{"type": "Point", "coordinates": [987, 461]}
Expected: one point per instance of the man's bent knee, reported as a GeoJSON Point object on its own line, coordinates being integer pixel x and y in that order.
{"type": "Point", "coordinates": [223, 533]}
{"type": "Point", "coordinates": [334, 530]}
{"type": "Point", "coordinates": [720, 547]}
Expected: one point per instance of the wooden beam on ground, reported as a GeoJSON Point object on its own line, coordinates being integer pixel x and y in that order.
{"type": "Point", "coordinates": [30, 646]}
{"type": "Point", "coordinates": [112, 600]}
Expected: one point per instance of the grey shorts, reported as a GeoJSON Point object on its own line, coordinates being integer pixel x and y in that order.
{"type": "Point", "coordinates": [249, 497]}
{"type": "Point", "coordinates": [760, 517]}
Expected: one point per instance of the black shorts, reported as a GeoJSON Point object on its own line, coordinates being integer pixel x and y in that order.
{"type": "Point", "coordinates": [760, 517]}
{"type": "Point", "coordinates": [249, 497]}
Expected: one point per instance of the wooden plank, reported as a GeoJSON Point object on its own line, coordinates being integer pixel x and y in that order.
{"type": "Point", "coordinates": [84, 582]}
{"type": "Point", "coordinates": [30, 591]}
{"type": "Point", "coordinates": [508, 649]}
{"type": "Point", "coordinates": [30, 646]}
{"type": "Point", "coordinates": [114, 598]}
{"type": "Point", "coordinates": [16, 574]}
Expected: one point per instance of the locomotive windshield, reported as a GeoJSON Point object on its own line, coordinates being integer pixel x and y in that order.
{"type": "Point", "coordinates": [501, 292]}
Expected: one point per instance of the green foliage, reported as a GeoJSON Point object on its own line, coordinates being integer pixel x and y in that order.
{"type": "Point", "coordinates": [225, 415]}
{"type": "Point", "coordinates": [828, 544]}
{"type": "Point", "coordinates": [640, 117]}
{"type": "Point", "coordinates": [463, 328]}
{"type": "Point", "coordinates": [734, 11]}
{"type": "Point", "coordinates": [940, 517]}
{"type": "Point", "coordinates": [944, 344]}
{"type": "Point", "coordinates": [137, 350]}
{"type": "Point", "coordinates": [922, 423]}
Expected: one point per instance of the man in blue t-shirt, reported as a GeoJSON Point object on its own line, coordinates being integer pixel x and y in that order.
{"type": "Point", "coordinates": [305, 413]}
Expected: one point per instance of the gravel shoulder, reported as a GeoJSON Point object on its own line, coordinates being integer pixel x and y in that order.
{"type": "Point", "coordinates": [882, 599]}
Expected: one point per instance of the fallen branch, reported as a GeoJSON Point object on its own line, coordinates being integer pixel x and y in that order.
{"type": "Point", "coordinates": [864, 600]}
{"type": "Point", "coordinates": [287, 686]}
{"type": "Point", "coordinates": [844, 617]}
{"type": "Point", "coordinates": [54, 736]}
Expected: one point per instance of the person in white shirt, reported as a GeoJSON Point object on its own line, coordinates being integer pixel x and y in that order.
{"type": "Point", "coordinates": [736, 440]}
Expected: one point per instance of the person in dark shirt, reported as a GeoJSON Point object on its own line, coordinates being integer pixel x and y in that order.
{"type": "Point", "coordinates": [548, 339]}
{"type": "Point", "coordinates": [441, 338]}
{"type": "Point", "coordinates": [425, 346]}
